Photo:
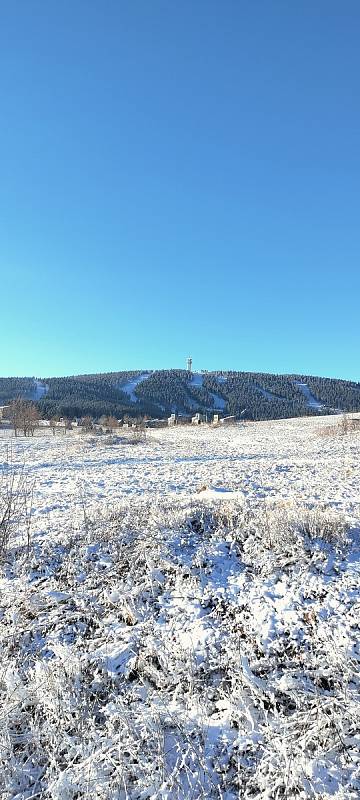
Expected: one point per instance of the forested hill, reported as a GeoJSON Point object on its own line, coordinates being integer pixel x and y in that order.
{"type": "Point", "coordinates": [249, 395]}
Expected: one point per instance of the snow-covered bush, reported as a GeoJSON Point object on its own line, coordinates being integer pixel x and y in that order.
{"type": "Point", "coordinates": [184, 650]}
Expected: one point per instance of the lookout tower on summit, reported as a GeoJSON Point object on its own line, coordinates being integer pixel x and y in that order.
{"type": "Point", "coordinates": [189, 364]}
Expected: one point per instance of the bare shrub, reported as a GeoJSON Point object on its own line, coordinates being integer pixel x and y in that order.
{"type": "Point", "coordinates": [344, 426]}
{"type": "Point", "coordinates": [321, 522]}
{"type": "Point", "coordinates": [54, 424]}
{"type": "Point", "coordinates": [15, 506]}
{"type": "Point", "coordinates": [286, 526]}
{"type": "Point", "coordinates": [23, 416]}
{"type": "Point", "coordinates": [348, 424]}
{"type": "Point", "coordinates": [140, 431]}
{"type": "Point", "coordinates": [110, 424]}
{"type": "Point", "coordinates": [112, 439]}
{"type": "Point", "coordinates": [87, 424]}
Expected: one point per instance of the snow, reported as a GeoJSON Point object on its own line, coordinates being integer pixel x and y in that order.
{"type": "Point", "coordinates": [184, 622]}
{"type": "Point", "coordinates": [40, 390]}
{"type": "Point", "coordinates": [197, 379]}
{"type": "Point", "coordinates": [130, 386]}
{"type": "Point", "coordinates": [279, 459]}
{"type": "Point", "coordinates": [311, 400]}
{"type": "Point", "coordinates": [219, 402]}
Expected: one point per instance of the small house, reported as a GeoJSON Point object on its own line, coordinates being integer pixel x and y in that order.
{"type": "Point", "coordinates": [197, 419]}
{"type": "Point", "coordinates": [4, 412]}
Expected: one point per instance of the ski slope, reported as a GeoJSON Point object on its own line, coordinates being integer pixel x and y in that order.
{"type": "Point", "coordinates": [197, 381]}
{"type": "Point", "coordinates": [130, 386]}
{"type": "Point", "coordinates": [312, 402]}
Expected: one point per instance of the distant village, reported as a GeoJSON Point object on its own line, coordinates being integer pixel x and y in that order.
{"type": "Point", "coordinates": [22, 415]}
{"type": "Point", "coordinates": [109, 424]}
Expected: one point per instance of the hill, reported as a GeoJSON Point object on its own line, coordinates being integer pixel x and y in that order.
{"type": "Point", "coordinates": [251, 395]}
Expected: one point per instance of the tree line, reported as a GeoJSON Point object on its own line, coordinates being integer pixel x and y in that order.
{"type": "Point", "coordinates": [10, 388]}
{"type": "Point", "coordinates": [78, 397]}
{"type": "Point", "coordinates": [252, 395]}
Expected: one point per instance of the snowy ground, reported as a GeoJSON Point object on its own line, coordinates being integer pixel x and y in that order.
{"type": "Point", "coordinates": [181, 619]}
{"type": "Point", "coordinates": [281, 459]}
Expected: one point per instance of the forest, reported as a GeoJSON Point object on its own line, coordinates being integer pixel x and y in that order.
{"type": "Point", "coordinates": [94, 397]}
{"type": "Point", "coordinates": [249, 395]}
{"type": "Point", "coordinates": [14, 387]}
{"type": "Point", "coordinates": [173, 390]}
{"type": "Point", "coordinates": [336, 394]}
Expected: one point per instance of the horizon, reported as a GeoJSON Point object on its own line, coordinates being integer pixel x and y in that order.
{"type": "Point", "coordinates": [180, 179]}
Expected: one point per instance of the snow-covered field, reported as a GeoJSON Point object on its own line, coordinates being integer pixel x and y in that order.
{"type": "Point", "coordinates": [179, 618]}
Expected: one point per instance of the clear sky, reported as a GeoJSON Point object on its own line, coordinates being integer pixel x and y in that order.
{"type": "Point", "coordinates": [179, 178]}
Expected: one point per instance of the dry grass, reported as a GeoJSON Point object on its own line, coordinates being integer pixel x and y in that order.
{"type": "Point", "coordinates": [344, 426]}
{"type": "Point", "coordinates": [182, 651]}
{"type": "Point", "coordinates": [16, 493]}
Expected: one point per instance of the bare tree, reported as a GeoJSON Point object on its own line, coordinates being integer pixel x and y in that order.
{"type": "Point", "coordinates": [31, 419]}
{"type": "Point", "coordinates": [111, 423]}
{"type": "Point", "coordinates": [15, 409]}
{"type": "Point", "coordinates": [68, 425]}
{"type": "Point", "coordinates": [23, 416]}
{"type": "Point", "coordinates": [87, 424]}
{"type": "Point", "coordinates": [53, 424]}
{"type": "Point", "coordinates": [140, 430]}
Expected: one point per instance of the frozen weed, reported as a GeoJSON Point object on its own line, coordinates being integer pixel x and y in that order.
{"type": "Point", "coordinates": [344, 426]}
{"type": "Point", "coordinates": [16, 492]}
{"type": "Point", "coordinates": [184, 650]}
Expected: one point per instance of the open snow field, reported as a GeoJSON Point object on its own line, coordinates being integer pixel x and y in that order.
{"type": "Point", "coordinates": [281, 459]}
{"type": "Point", "coordinates": [179, 618]}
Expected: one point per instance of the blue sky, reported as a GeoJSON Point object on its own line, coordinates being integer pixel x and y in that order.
{"type": "Point", "coordinates": [179, 178]}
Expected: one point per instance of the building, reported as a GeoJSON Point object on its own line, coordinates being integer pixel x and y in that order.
{"type": "Point", "coordinates": [198, 418]}
{"type": "Point", "coordinates": [4, 412]}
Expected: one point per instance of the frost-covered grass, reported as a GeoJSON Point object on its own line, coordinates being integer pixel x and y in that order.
{"type": "Point", "coordinates": [169, 644]}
